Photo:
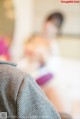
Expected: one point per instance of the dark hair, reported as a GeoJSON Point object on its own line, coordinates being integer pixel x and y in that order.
{"type": "Point", "coordinates": [56, 18]}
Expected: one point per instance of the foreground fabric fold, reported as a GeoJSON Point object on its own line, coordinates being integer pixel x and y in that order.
{"type": "Point", "coordinates": [21, 97]}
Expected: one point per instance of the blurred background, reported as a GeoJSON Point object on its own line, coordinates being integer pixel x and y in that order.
{"type": "Point", "coordinates": [43, 38]}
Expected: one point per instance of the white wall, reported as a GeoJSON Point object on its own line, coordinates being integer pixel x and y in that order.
{"type": "Point", "coordinates": [69, 47]}
{"type": "Point", "coordinates": [23, 10]}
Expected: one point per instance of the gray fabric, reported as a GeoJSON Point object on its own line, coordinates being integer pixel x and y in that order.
{"type": "Point", "coordinates": [21, 97]}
